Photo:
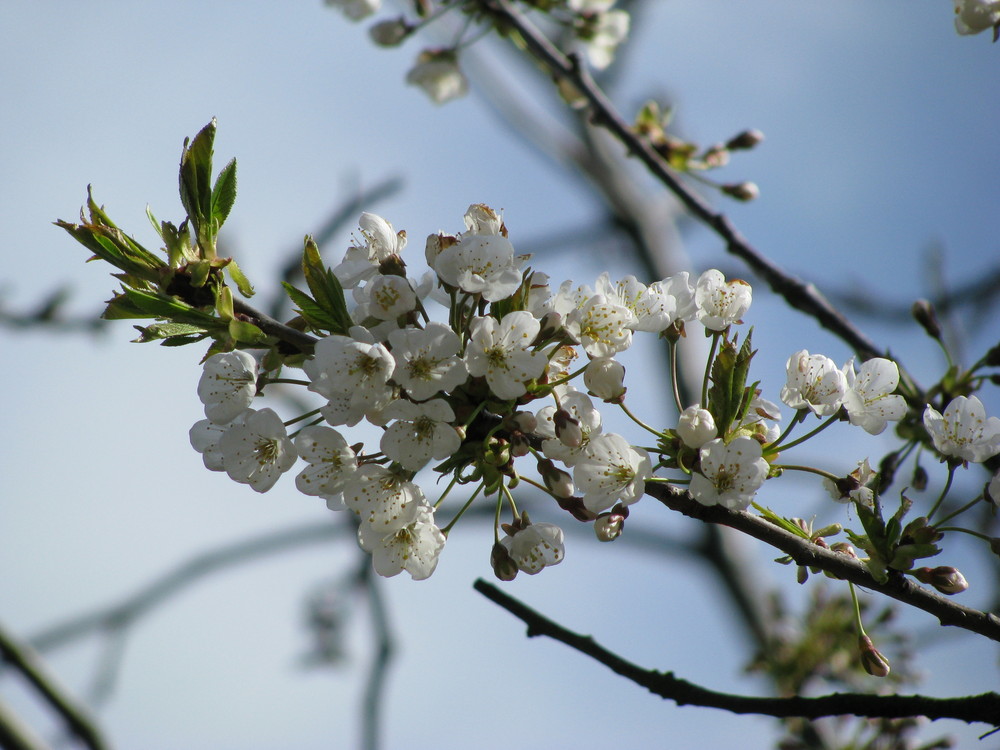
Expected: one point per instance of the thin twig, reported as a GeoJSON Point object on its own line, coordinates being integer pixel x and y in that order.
{"type": "Point", "coordinates": [798, 294]}
{"type": "Point", "coordinates": [374, 693]}
{"type": "Point", "coordinates": [983, 708]}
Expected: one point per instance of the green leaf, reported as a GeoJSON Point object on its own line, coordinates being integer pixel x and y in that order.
{"type": "Point", "coordinates": [241, 281]}
{"type": "Point", "coordinates": [317, 317]}
{"type": "Point", "coordinates": [168, 308]}
{"type": "Point", "coordinates": [195, 180]}
{"type": "Point", "coordinates": [720, 395]}
{"type": "Point", "coordinates": [224, 193]}
{"type": "Point", "coordinates": [326, 289]}
{"type": "Point", "coordinates": [172, 334]}
{"type": "Point", "coordinates": [246, 333]}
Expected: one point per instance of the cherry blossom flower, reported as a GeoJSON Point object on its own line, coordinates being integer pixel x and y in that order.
{"type": "Point", "coordinates": [720, 304]}
{"type": "Point", "coordinates": [730, 474]}
{"type": "Point", "coordinates": [815, 383]}
{"type": "Point", "coordinates": [696, 426]}
{"type": "Point", "coordinates": [481, 219]}
{"type": "Point", "coordinates": [963, 431]}
{"type": "Point", "coordinates": [499, 351]}
{"type": "Point", "coordinates": [205, 436]}
{"type": "Point", "coordinates": [854, 487]}
{"type": "Point", "coordinates": [382, 499]}
{"type": "Point", "coordinates": [258, 451]}
{"type": "Point", "coordinates": [536, 546]}
{"type": "Point", "coordinates": [331, 461]}
{"type": "Point", "coordinates": [974, 16]}
{"type": "Point", "coordinates": [413, 547]}
{"type": "Point", "coordinates": [601, 34]}
{"type": "Point", "coordinates": [482, 264]}
{"type": "Point", "coordinates": [601, 326]}
{"type": "Point", "coordinates": [427, 360]}
{"type": "Point", "coordinates": [354, 366]}
{"type": "Point", "coordinates": [438, 74]}
{"type": "Point", "coordinates": [611, 471]}
{"type": "Point", "coordinates": [384, 298]}
{"type": "Point", "coordinates": [356, 9]}
{"type": "Point", "coordinates": [868, 399]}
{"type": "Point", "coordinates": [422, 432]}
{"type": "Point", "coordinates": [361, 262]}
{"type": "Point", "coordinates": [228, 385]}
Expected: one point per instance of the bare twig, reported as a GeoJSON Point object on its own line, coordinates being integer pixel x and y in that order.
{"type": "Point", "coordinates": [383, 651]}
{"type": "Point", "coordinates": [983, 708]}
{"type": "Point", "coordinates": [798, 294]}
{"type": "Point", "coordinates": [805, 553]}
{"type": "Point", "coordinates": [78, 721]}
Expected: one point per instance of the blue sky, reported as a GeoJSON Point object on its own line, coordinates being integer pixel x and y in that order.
{"type": "Point", "coordinates": [881, 142]}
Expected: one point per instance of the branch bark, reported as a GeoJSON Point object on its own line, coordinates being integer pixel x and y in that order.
{"type": "Point", "coordinates": [983, 708]}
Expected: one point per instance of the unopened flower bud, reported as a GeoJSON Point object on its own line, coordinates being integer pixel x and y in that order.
{"type": "Point", "coordinates": [391, 32]}
{"type": "Point", "coordinates": [872, 660]}
{"type": "Point", "coordinates": [604, 378]}
{"type": "Point", "coordinates": [503, 565]}
{"type": "Point", "coordinates": [716, 156]}
{"type": "Point", "coordinates": [923, 312]}
{"type": "Point", "coordinates": [696, 426]}
{"type": "Point", "coordinates": [992, 490]}
{"type": "Point", "coordinates": [944, 578]}
{"type": "Point", "coordinates": [609, 526]}
{"type": "Point", "coordinates": [567, 429]}
{"type": "Point", "coordinates": [745, 140]}
{"type": "Point", "coordinates": [741, 191]}
{"type": "Point", "coordinates": [551, 324]}
{"type": "Point", "coordinates": [526, 421]}
{"type": "Point", "coordinates": [843, 548]}
{"type": "Point", "coordinates": [919, 479]}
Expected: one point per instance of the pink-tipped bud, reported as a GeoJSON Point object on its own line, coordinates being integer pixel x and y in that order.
{"type": "Point", "coordinates": [741, 191]}
{"type": "Point", "coordinates": [567, 429]}
{"type": "Point", "coordinates": [745, 140]}
{"type": "Point", "coordinates": [944, 578]}
{"type": "Point", "coordinates": [924, 313]}
{"type": "Point", "coordinates": [872, 659]}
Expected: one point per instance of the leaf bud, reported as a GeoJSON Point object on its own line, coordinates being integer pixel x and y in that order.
{"type": "Point", "coordinates": [872, 660]}
{"type": "Point", "coordinates": [745, 140]}
{"type": "Point", "coordinates": [944, 578]}
{"type": "Point", "coordinates": [923, 312]}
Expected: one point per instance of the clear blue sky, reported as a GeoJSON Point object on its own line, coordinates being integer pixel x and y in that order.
{"type": "Point", "coordinates": [881, 127]}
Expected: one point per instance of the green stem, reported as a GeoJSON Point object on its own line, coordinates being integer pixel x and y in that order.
{"type": "Point", "coordinates": [857, 610]}
{"type": "Point", "coordinates": [708, 368]}
{"type": "Point", "coordinates": [639, 422]}
{"type": "Point", "coordinates": [958, 512]}
{"type": "Point", "coordinates": [808, 469]}
{"type": "Point", "coordinates": [944, 492]}
{"type": "Point", "coordinates": [775, 447]}
{"type": "Point", "coordinates": [672, 349]}
{"type": "Point", "coordinates": [464, 508]}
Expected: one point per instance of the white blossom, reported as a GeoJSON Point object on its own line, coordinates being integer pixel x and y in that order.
{"type": "Point", "coordinates": [385, 297]}
{"type": "Point", "coordinates": [380, 242]}
{"type": "Point", "coordinates": [602, 34]}
{"type": "Point", "coordinates": [696, 426]}
{"type": "Point", "coordinates": [482, 264]}
{"type": "Point", "coordinates": [356, 9]}
{"type": "Point", "coordinates": [720, 304]}
{"type": "Point", "coordinates": [331, 461]}
{"type": "Point", "coordinates": [353, 366]}
{"type": "Point", "coordinates": [427, 360]}
{"type": "Point", "coordinates": [611, 471]}
{"type": "Point", "coordinates": [859, 491]}
{"type": "Point", "coordinates": [605, 378]}
{"type": "Point", "coordinates": [414, 547]}
{"type": "Point", "coordinates": [869, 400]}
{"type": "Point", "coordinates": [601, 326]}
{"type": "Point", "coordinates": [258, 451]}
{"type": "Point", "coordinates": [439, 76]}
{"type": "Point", "coordinates": [963, 431]}
{"type": "Point", "coordinates": [815, 383]}
{"type": "Point", "coordinates": [974, 16]}
{"type": "Point", "coordinates": [383, 500]}
{"type": "Point", "coordinates": [730, 474]}
{"type": "Point", "coordinates": [481, 219]}
{"type": "Point", "coordinates": [499, 351]}
{"type": "Point", "coordinates": [205, 436]}
{"type": "Point", "coordinates": [228, 385]}
{"type": "Point", "coordinates": [536, 546]}
{"type": "Point", "coordinates": [421, 432]}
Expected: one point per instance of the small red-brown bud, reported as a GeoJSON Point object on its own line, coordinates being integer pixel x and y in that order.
{"type": "Point", "coordinates": [872, 659]}
{"type": "Point", "coordinates": [923, 312]}
{"type": "Point", "coordinates": [503, 565]}
{"type": "Point", "coordinates": [944, 578]}
{"type": "Point", "coordinates": [741, 191]}
{"type": "Point", "coordinates": [745, 140]}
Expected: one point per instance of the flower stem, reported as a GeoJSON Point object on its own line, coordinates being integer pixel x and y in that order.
{"type": "Point", "coordinates": [958, 512]}
{"type": "Point", "coordinates": [708, 368]}
{"type": "Point", "coordinates": [944, 492]}
{"type": "Point", "coordinates": [776, 446]}
{"type": "Point", "coordinates": [638, 421]}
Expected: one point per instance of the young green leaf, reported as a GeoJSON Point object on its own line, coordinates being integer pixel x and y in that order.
{"type": "Point", "coordinates": [224, 193]}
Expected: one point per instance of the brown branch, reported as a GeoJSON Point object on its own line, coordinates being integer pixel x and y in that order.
{"type": "Point", "coordinates": [803, 552]}
{"type": "Point", "coordinates": [983, 708]}
{"type": "Point", "coordinates": [797, 293]}
{"type": "Point", "coordinates": [272, 327]}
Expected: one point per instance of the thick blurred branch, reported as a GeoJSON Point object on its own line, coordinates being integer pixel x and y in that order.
{"type": "Point", "coordinates": [78, 722]}
{"type": "Point", "coordinates": [983, 708]}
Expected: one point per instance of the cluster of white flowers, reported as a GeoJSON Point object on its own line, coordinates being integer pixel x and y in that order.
{"type": "Point", "coordinates": [498, 382]}
{"type": "Point", "coordinates": [597, 28]}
